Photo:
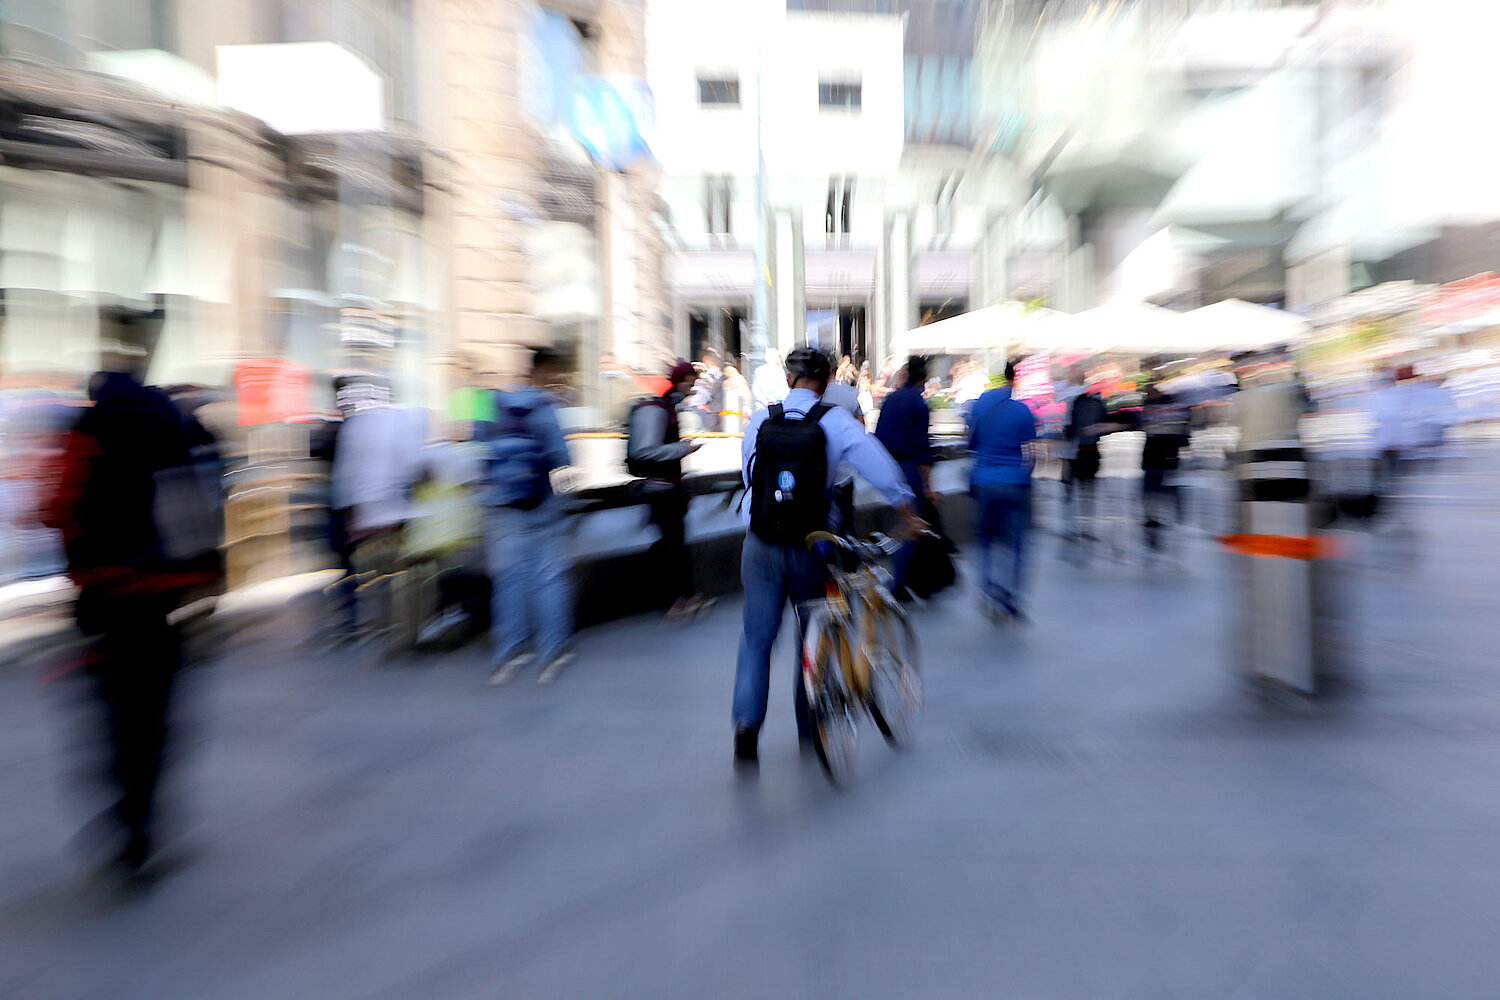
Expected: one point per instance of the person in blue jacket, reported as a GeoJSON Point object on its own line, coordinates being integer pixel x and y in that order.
{"type": "Point", "coordinates": [1002, 430]}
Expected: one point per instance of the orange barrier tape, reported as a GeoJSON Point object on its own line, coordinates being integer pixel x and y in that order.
{"type": "Point", "coordinates": [1280, 546]}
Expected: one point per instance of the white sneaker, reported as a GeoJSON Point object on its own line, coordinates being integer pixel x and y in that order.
{"type": "Point", "coordinates": [506, 671]}
{"type": "Point", "coordinates": [556, 667]}
{"type": "Point", "coordinates": [440, 625]}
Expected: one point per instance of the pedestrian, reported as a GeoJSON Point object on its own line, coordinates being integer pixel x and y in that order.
{"type": "Point", "coordinates": [769, 381]}
{"type": "Point", "coordinates": [1001, 438]}
{"type": "Point", "coordinates": [135, 500]}
{"type": "Point", "coordinates": [1085, 425]}
{"type": "Point", "coordinates": [654, 452]}
{"type": "Point", "coordinates": [790, 454]}
{"type": "Point", "coordinates": [737, 400]}
{"type": "Point", "coordinates": [708, 391]}
{"type": "Point", "coordinates": [376, 462]}
{"type": "Point", "coordinates": [323, 443]}
{"type": "Point", "coordinates": [846, 397]}
{"type": "Point", "coordinates": [846, 371]}
{"type": "Point", "coordinates": [968, 385]}
{"type": "Point", "coordinates": [903, 429]}
{"type": "Point", "coordinates": [866, 397]}
{"type": "Point", "coordinates": [888, 381]}
{"type": "Point", "coordinates": [525, 529]}
{"type": "Point", "coordinates": [1165, 423]}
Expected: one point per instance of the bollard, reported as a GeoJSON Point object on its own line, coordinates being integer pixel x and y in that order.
{"type": "Point", "coordinates": [1276, 548]}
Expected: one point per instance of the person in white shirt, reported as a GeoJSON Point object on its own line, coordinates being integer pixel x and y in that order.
{"type": "Point", "coordinates": [769, 383]}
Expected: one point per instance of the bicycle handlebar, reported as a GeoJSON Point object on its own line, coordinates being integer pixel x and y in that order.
{"type": "Point", "coordinates": [875, 546]}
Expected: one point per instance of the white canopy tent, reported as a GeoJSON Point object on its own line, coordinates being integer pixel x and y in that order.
{"type": "Point", "coordinates": [991, 329]}
{"type": "Point", "coordinates": [1124, 327]}
{"type": "Point", "coordinates": [1236, 325]}
{"type": "Point", "coordinates": [1135, 328]}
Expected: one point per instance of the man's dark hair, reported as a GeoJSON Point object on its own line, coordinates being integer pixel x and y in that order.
{"type": "Point", "coordinates": [809, 362]}
{"type": "Point", "coordinates": [1010, 373]}
{"type": "Point", "coordinates": [916, 370]}
{"type": "Point", "coordinates": [549, 358]}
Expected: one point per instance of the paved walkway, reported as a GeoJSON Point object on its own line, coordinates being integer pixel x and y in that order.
{"type": "Point", "coordinates": [1095, 809]}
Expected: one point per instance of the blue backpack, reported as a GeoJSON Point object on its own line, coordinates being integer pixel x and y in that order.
{"type": "Point", "coordinates": [517, 461]}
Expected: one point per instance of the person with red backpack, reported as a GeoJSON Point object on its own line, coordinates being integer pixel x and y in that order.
{"type": "Point", "coordinates": [790, 456]}
{"type": "Point", "coordinates": [526, 539]}
{"type": "Point", "coordinates": [654, 452]}
{"type": "Point", "coordinates": [137, 500]}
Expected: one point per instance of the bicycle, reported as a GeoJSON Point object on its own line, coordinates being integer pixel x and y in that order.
{"type": "Point", "coordinates": [858, 652]}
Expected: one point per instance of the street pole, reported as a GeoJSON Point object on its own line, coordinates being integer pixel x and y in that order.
{"type": "Point", "coordinates": [760, 308]}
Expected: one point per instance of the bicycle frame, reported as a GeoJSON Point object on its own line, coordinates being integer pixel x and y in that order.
{"type": "Point", "coordinates": [862, 588]}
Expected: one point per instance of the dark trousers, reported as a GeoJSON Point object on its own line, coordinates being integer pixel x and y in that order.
{"type": "Point", "coordinates": [1004, 522]}
{"type": "Point", "coordinates": [671, 565]}
{"type": "Point", "coordinates": [1078, 499]}
{"type": "Point", "coordinates": [344, 615]}
{"type": "Point", "coordinates": [902, 561]}
{"type": "Point", "coordinates": [137, 655]}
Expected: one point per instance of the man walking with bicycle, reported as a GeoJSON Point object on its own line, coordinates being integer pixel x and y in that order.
{"type": "Point", "coordinates": [791, 452]}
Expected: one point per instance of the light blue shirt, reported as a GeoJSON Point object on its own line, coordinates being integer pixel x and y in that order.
{"type": "Point", "coordinates": [847, 442]}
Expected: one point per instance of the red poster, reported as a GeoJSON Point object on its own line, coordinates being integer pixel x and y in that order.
{"type": "Point", "coordinates": [271, 391]}
{"type": "Point", "coordinates": [1466, 299]}
{"type": "Point", "coordinates": [1033, 378]}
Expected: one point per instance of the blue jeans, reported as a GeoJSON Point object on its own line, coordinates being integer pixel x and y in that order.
{"type": "Point", "coordinates": [527, 559]}
{"type": "Point", "coordinates": [771, 574]}
{"type": "Point", "coordinates": [1004, 520]}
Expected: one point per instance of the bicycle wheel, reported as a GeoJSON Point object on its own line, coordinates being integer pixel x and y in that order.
{"type": "Point", "coordinates": [824, 651]}
{"type": "Point", "coordinates": [895, 676]}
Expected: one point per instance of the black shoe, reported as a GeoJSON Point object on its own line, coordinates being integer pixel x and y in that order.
{"type": "Point", "coordinates": [746, 742]}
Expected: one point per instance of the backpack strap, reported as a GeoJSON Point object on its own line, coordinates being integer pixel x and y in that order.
{"type": "Point", "coordinates": [777, 411]}
{"type": "Point", "coordinates": [816, 413]}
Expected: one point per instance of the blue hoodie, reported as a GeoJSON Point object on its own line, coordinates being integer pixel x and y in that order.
{"type": "Point", "coordinates": [1000, 427]}
{"type": "Point", "coordinates": [541, 423]}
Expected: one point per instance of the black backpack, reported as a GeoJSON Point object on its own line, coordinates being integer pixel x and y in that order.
{"type": "Point", "coordinates": [789, 477]}
{"type": "Point", "coordinates": [670, 471]}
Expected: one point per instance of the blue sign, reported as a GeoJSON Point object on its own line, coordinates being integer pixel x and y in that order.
{"type": "Point", "coordinates": [613, 116]}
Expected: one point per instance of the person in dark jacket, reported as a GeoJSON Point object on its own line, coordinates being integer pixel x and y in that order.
{"type": "Point", "coordinates": [903, 429]}
{"type": "Point", "coordinates": [1165, 423]}
{"type": "Point", "coordinates": [655, 451]}
{"type": "Point", "coordinates": [105, 505]}
{"type": "Point", "coordinates": [1085, 425]}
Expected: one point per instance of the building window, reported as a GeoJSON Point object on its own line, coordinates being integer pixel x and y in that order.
{"type": "Point", "coordinates": [719, 90]}
{"type": "Point", "coordinates": [718, 201]}
{"type": "Point", "coordinates": [846, 96]}
{"type": "Point", "coordinates": [553, 61]}
{"type": "Point", "coordinates": [945, 193]}
{"type": "Point", "coordinates": [840, 197]}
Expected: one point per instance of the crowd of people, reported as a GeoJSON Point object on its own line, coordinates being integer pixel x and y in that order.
{"type": "Point", "coordinates": [133, 494]}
